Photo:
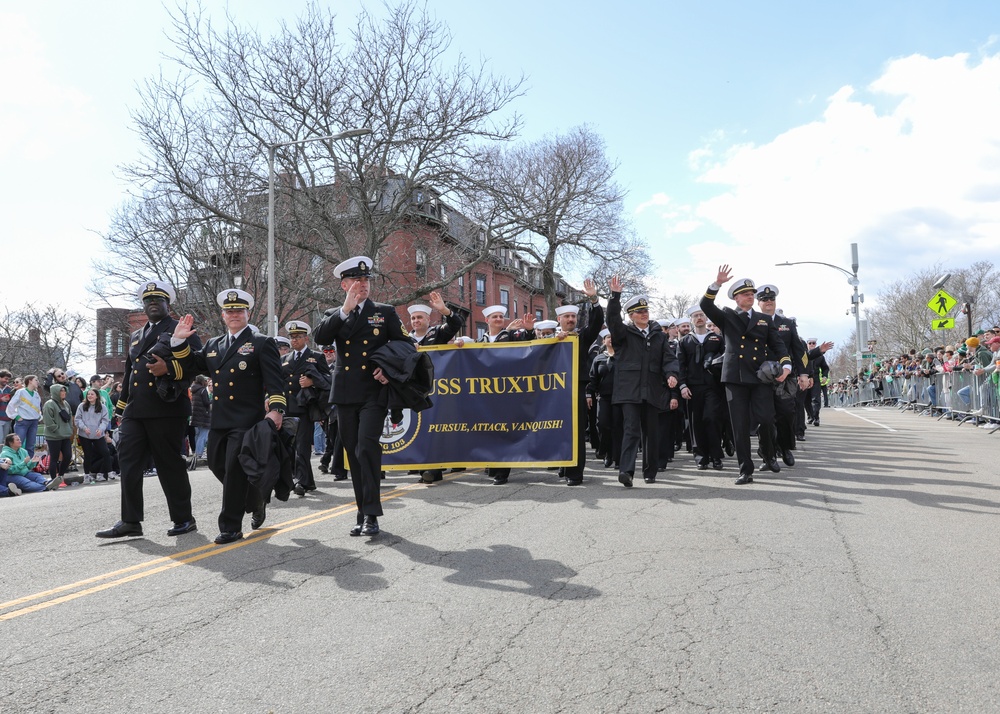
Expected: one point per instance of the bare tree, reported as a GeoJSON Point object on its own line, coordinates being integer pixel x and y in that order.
{"type": "Point", "coordinates": [207, 134]}
{"type": "Point", "coordinates": [34, 338]}
{"type": "Point", "coordinates": [902, 320]}
{"type": "Point", "coordinates": [556, 200]}
{"type": "Point", "coordinates": [672, 306]}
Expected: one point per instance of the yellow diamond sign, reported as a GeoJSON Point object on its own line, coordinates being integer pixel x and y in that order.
{"type": "Point", "coordinates": [942, 303]}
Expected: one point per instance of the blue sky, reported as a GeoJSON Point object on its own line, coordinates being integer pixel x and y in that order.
{"type": "Point", "coordinates": [751, 133]}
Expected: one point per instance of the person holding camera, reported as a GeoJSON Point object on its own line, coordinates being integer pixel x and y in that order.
{"type": "Point", "coordinates": [153, 408]}
{"type": "Point", "coordinates": [17, 472]}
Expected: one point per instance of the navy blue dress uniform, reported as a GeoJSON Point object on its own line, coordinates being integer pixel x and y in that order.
{"type": "Point", "coordinates": [595, 321]}
{"type": "Point", "coordinates": [749, 338]}
{"type": "Point", "coordinates": [643, 364]}
{"type": "Point", "coordinates": [361, 401]}
{"type": "Point", "coordinates": [819, 370]}
{"type": "Point", "coordinates": [609, 416]}
{"type": "Point", "coordinates": [440, 334]}
{"type": "Point", "coordinates": [296, 364]}
{"type": "Point", "coordinates": [784, 401]}
{"type": "Point", "coordinates": [695, 354]}
{"type": "Point", "coordinates": [154, 415]}
{"type": "Point", "coordinates": [245, 370]}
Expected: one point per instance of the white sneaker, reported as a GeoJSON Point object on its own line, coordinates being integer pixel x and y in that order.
{"type": "Point", "coordinates": [112, 475]}
{"type": "Point", "coordinates": [14, 489]}
{"type": "Point", "coordinates": [89, 479]}
{"type": "Point", "coordinates": [53, 483]}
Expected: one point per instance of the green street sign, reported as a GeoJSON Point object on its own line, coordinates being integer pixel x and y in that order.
{"type": "Point", "coordinates": [945, 323]}
{"type": "Point", "coordinates": [942, 303]}
{"type": "Point", "coordinates": [867, 355]}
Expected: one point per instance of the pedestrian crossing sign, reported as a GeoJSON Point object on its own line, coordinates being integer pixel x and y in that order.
{"type": "Point", "coordinates": [945, 323]}
{"type": "Point", "coordinates": [942, 303]}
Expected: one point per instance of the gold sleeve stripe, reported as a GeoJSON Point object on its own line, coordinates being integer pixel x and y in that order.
{"type": "Point", "coordinates": [710, 295]}
{"type": "Point", "coordinates": [178, 370]}
{"type": "Point", "coordinates": [121, 404]}
{"type": "Point", "coordinates": [185, 351]}
{"type": "Point", "coordinates": [277, 399]}
{"type": "Point", "coordinates": [784, 359]}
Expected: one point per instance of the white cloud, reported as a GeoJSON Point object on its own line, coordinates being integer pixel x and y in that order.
{"type": "Point", "coordinates": [908, 168]}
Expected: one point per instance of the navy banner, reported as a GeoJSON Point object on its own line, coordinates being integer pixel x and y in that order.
{"type": "Point", "coordinates": [509, 404]}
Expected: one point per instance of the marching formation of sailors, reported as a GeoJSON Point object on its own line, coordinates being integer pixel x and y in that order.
{"type": "Point", "coordinates": [708, 382]}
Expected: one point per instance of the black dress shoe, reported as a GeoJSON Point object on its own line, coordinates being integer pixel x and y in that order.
{"type": "Point", "coordinates": [340, 477]}
{"type": "Point", "coordinates": [773, 466]}
{"type": "Point", "coordinates": [744, 478]}
{"type": "Point", "coordinates": [499, 480]}
{"type": "Point", "coordinates": [370, 527]}
{"type": "Point", "coordinates": [607, 462]}
{"type": "Point", "coordinates": [299, 491]}
{"type": "Point", "coordinates": [788, 457]}
{"type": "Point", "coordinates": [717, 464]}
{"type": "Point", "coordinates": [356, 531]}
{"type": "Point", "coordinates": [650, 479]}
{"type": "Point", "coordinates": [121, 529]}
{"type": "Point", "coordinates": [180, 528]}
{"type": "Point", "coordinates": [228, 537]}
{"type": "Point", "coordinates": [800, 438]}
{"type": "Point", "coordinates": [323, 469]}
{"type": "Point", "coordinates": [728, 448]}
{"type": "Point", "coordinates": [257, 519]}
{"type": "Point", "coordinates": [625, 479]}
{"type": "Point", "coordinates": [702, 466]}
{"type": "Point", "coordinates": [574, 482]}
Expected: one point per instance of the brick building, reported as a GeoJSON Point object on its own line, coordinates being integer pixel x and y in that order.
{"type": "Point", "coordinates": [433, 241]}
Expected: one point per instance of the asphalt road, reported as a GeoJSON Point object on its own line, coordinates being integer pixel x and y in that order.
{"type": "Point", "coordinates": [865, 579]}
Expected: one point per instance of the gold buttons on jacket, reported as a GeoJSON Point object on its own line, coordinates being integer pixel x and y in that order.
{"type": "Point", "coordinates": [232, 370]}
{"type": "Point", "coordinates": [347, 342]}
{"type": "Point", "coordinates": [230, 384]}
{"type": "Point", "coordinates": [135, 384]}
{"type": "Point", "coordinates": [231, 396]}
{"type": "Point", "coordinates": [366, 342]}
{"type": "Point", "coordinates": [150, 384]}
{"type": "Point", "coordinates": [346, 368]}
{"type": "Point", "coordinates": [364, 366]}
{"type": "Point", "coordinates": [347, 354]}
{"type": "Point", "coordinates": [364, 354]}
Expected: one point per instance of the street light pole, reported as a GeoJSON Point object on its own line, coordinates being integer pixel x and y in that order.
{"type": "Point", "coordinates": [272, 316]}
{"type": "Point", "coordinates": [856, 299]}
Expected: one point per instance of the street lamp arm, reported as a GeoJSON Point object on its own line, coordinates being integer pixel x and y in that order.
{"type": "Point", "coordinates": [333, 137]}
{"type": "Point", "coordinates": [846, 272]}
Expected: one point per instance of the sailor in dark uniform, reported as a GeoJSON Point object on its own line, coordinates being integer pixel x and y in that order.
{"type": "Point", "coordinates": [645, 375]}
{"type": "Point", "coordinates": [701, 389]}
{"type": "Point", "coordinates": [609, 416]}
{"type": "Point", "coordinates": [518, 330]}
{"type": "Point", "coordinates": [749, 336]}
{"type": "Point", "coordinates": [284, 345]}
{"type": "Point", "coordinates": [358, 328]}
{"type": "Point", "coordinates": [567, 316]}
{"type": "Point", "coordinates": [303, 369]}
{"type": "Point", "coordinates": [154, 408]}
{"type": "Point", "coordinates": [784, 402]}
{"type": "Point", "coordinates": [245, 370]}
{"type": "Point", "coordinates": [422, 333]}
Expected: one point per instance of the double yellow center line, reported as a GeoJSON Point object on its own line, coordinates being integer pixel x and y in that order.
{"type": "Point", "coordinates": [66, 593]}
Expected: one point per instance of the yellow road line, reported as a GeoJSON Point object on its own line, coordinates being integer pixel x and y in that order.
{"type": "Point", "coordinates": [165, 563]}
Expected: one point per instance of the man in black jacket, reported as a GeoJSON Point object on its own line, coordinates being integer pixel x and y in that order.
{"type": "Point", "coordinates": [784, 403]}
{"type": "Point", "coordinates": [748, 336]}
{"type": "Point", "coordinates": [246, 374]}
{"type": "Point", "coordinates": [303, 369]}
{"type": "Point", "coordinates": [701, 389]}
{"type": "Point", "coordinates": [150, 424]}
{"type": "Point", "coordinates": [358, 328]}
{"type": "Point", "coordinates": [645, 372]}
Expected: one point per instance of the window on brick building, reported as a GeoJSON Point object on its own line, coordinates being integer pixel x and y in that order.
{"type": "Point", "coordinates": [421, 262]}
{"type": "Point", "coordinates": [538, 314]}
{"type": "Point", "coordinates": [108, 342]}
{"type": "Point", "coordinates": [461, 288]}
{"type": "Point", "coordinates": [515, 307]}
{"type": "Point", "coordinates": [481, 329]}
{"type": "Point", "coordinates": [480, 289]}
{"type": "Point", "coordinates": [505, 298]}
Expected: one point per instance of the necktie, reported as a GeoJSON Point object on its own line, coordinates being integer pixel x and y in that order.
{"type": "Point", "coordinates": [227, 342]}
{"type": "Point", "coordinates": [297, 355]}
{"type": "Point", "coordinates": [644, 333]}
